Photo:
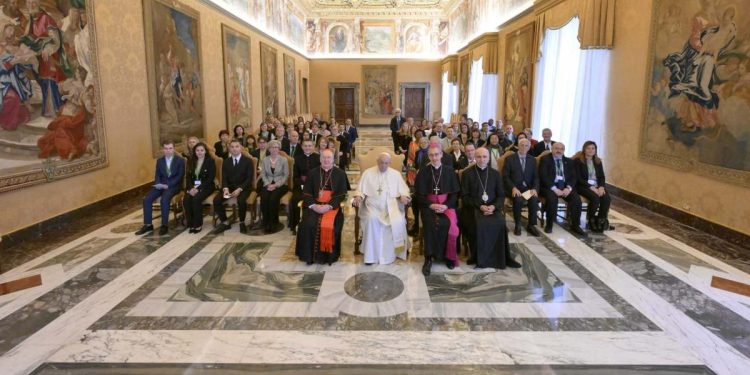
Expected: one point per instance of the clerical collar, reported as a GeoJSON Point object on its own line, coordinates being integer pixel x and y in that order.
{"type": "Point", "coordinates": [480, 168]}
{"type": "Point", "coordinates": [438, 167]}
{"type": "Point", "coordinates": [327, 170]}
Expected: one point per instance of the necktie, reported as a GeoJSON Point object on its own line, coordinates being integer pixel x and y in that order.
{"type": "Point", "coordinates": [235, 161]}
{"type": "Point", "coordinates": [523, 164]}
{"type": "Point", "coordinates": [168, 168]}
{"type": "Point", "coordinates": [558, 164]}
{"type": "Point", "coordinates": [291, 150]}
{"type": "Point", "coordinates": [546, 146]}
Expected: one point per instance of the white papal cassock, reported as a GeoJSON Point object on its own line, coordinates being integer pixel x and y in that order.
{"type": "Point", "coordinates": [382, 216]}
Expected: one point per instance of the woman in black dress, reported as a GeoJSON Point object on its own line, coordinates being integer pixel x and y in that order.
{"type": "Point", "coordinates": [201, 171]}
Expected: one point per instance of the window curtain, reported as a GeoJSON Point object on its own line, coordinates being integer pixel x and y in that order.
{"type": "Point", "coordinates": [449, 104]}
{"type": "Point", "coordinates": [570, 89]}
{"type": "Point", "coordinates": [476, 77]}
{"type": "Point", "coordinates": [488, 102]}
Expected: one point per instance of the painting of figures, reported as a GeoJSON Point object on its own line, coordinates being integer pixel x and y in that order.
{"type": "Point", "coordinates": [379, 82]}
{"type": "Point", "coordinates": [415, 38]}
{"type": "Point", "coordinates": [518, 75]}
{"type": "Point", "coordinates": [378, 38]}
{"type": "Point", "coordinates": [697, 111]}
{"type": "Point", "coordinates": [236, 47]}
{"type": "Point", "coordinates": [290, 85]}
{"type": "Point", "coordinates": [268, 75]}
{"type": "Point", "coordinates": [295, 31]}
{"type": "Point", "coordinates": [338, 37]}
{"type": "Point", "coordinates": [51, 125]}
{"type": "Point", "coordinates": [174, 71]}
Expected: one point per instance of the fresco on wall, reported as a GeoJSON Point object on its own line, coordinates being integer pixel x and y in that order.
{"type": "Point", "coordinates": [443, 34]}
{"type": "Point", "coordinates": [338, 37]}
{"type": "Point", "coordinates": [415, 38]}
{"type": "Point", "coordinates": [518, 76]}
{"type": "Point", "coordinates": [378, 38]}
{"type": "Point", "coordinates": [379, 89]}
{"type": "Point", "coordinates": [268, 75]}
{"type": "Point", "coordinates": [290, 85]}
{"type": "Point", "coordinates": [275, 16]}
{"type": "Point", "coordinates": [697, 111]}
{"type": "Point", "coordinates": [469, 18]}
{"type": "Point", "coordinates": [295, 31]}
{"type": "Point", "coordinates": [237, 77]}
{"type": "Point", "coordinates": [51, 126]}
{"type": "Point", "coordinates": [174, 70]}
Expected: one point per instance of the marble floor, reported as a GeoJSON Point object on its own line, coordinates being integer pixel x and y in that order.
{"type": "Point", "coordinates": [634, 300]}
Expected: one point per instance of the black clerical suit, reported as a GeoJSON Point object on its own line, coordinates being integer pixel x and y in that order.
{"type": "Point", "coordinates": [303, 164]}
{"type": "Point", "coordinates": [204, 183]}
{"type": "Point", "coordinates": [547, 179]}
{"type": "Point", "coordinates": [435, 225]}
{"type": "Point", "coordinates": [233, 176]}
{"type": "Point", "coordinates": [522, 177]}
{"type": "Point", "coordinates": [308, 235]}
{"type": "Point", "coordinates": [488, 235]}
{"type": "Point", "coordinates": [540, 147]}
{"type": "Point", "coordinates": [396, 123]}
{"type": "Point", "coordinates": [596, 203]}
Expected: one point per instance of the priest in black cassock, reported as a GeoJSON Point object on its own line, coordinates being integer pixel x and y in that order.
{"type": "Point", "coordinates": [436, 188]}
{"type": "Point", "coordinates": [319, 233]}
{"type": "Point", "coordinates": [482, 194]}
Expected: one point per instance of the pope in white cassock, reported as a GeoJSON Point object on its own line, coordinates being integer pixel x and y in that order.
{"type": "Point", "coordinates": [381, 196]}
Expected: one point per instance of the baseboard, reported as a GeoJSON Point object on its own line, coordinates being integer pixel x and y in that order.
{"type": "Point", "coordinates": [60, 221]}
{"type": "Point", "coordinates": [718, 230]}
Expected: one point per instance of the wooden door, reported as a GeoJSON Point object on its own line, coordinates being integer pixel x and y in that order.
{"type": "Point", "coordinates": [414, 99]}
{"type": "Point", "coordinates": [343, 104]}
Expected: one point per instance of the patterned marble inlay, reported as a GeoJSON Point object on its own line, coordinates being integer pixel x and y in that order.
{"type": "Point", "coordinates": [231, 275]}
{"type": "Point", "coordinates": [626, 228]}
{"type": "Point", "coordinates": [80, 253]}
{"type": "Point", "coordinates": [127, 228]}
{"type": "Point", "coordinates": [374, 287]}
{"type": "Point", "coordinates": [671, 254]}
{"type": "Point", "coordinates": [534, 282]}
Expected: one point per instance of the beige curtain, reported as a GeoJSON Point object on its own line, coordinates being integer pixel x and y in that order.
{"type": "Point", "coordinates": [597, 17]}
{"type": "Point", "coordinates": [450, 65]}
{"type": "Point", "coordinates": [489, 64]}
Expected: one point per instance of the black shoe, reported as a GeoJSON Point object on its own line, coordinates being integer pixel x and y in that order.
{"type": "Point", "coordinates": [144, 229]}
{"type": "Point", "coordinates": [221, 228]}
{"type": "Point", "coordinates": [517, 230]}
{"type": "Point", "coordinates": [197, 230]}
{"type": "Point", "coordinates": [512, 263]}
{"type": "Point", "coordinates": [548, 229]}
{"type": "Point", "coordinates": [243, 228]}
{"type": "Point", "coordinates": [309, 263]}
{"type": "Point", "coordinates": [426, 267]}
{"type": "Point", "coordinates": [450, 264]}
{"type": "Point", "coordinates": [368, 264]}
{"type": "Point", "coordinates": [577, 230]}
{"type": "Point", "coordinates": [163, 230]}
{"type": "Point", "coordinates": [191, 231]}
{"type": "Point", "coordinates": [532, 231]}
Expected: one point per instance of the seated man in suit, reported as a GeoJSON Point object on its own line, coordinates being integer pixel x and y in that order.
{"type": "Point", "coordinates": [304, 162]}
{"type": "Point", "coordinates": [520, 175]}
{"type": "Point", "coordinates": [236, 181]}
{"type": "Point", "coordinates": [170, 170]}
{"type": "Point", "coordinates": [545, 144]}
{"type": "Point", "coordinates": [557, 178]}
{"type": "Point", "coordinates": [291, 145]}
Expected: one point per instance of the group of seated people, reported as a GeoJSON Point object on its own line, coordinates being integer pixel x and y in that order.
{"type": "Point", "coordinates": [439, 175]}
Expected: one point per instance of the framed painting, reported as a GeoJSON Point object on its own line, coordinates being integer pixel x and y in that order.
{"type": "Point", "coordinates": [237, 88]}
{"type": "Point", "coordinates": [464, 66]}
{"type": "Point", "coordinates": [290, 85]}
{"type": "Point", "coordinates": [378, 37]}
{"type": "Point", "coordinates": [518, 77]}
{"type": "Point", "coordinates": [338, 38]}
{"type": "Point", "coordinates": [379, 83]}
{"type": "Point", "coordinates": [696, 115]}
{"type": "Point", "coordinates": [173, 59]}
{"type": "Point", "coordinates": [51, 126]}
{"type": "Point", "coordinates": [268, 74]}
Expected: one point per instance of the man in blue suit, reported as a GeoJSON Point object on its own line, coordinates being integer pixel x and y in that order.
{"type": "Point", "coordinates": [170, 170]}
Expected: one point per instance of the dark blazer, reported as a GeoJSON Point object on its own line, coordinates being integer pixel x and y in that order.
{"type": "Point", "coordinates": [256, 154]}
{"type": "Point", "coordinates": [441, 134]}
{"type": "Point", "coordinates": [301, 171]}
{"type": "Point", "coordinates": [547, 172]}
{"type": "Point", "coordinates": [220, 151]}
{"type": "Point", "coordinates": [176, 172]}
{"type": "Point", "coordinates": [285, 146]}
{"type": "Point", "coordinates": [539, 148]}
{"type": "Point", "coordinates": [206, 175]}
{"type": "Point", "coordinates": [582, 172]}
{"type": "Point", "coordinates": [460, 161]}
{"type": "Point", "coordinates": [240, 176]}
{"type": "Point", "coordinates": [514, 176]}
{"type": "Point", "coordinates": [395, 126]}
{"type": "Point", "coordinates": [351, 134]}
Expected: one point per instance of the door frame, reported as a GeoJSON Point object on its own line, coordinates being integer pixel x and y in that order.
{"type": "Point", "coordinates": [416, 85]}
{"type": "Point", "coordinates": [332, 104]}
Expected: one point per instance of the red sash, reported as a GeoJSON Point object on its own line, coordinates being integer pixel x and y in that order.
{"type": "Point", "coordinates": [450, 247]}
{"type": "Point", "coordinates": [326, 223]}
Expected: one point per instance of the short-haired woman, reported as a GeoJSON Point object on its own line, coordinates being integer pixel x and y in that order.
{"type": "Point", "coordinates": [273, 174]}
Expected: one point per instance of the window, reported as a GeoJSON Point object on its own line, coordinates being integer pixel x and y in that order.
{"type": "Point", "coordinates": [449, 105]}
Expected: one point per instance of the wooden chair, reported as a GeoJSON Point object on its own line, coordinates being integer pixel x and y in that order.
{"type": "Point", "coordinates": [175, 204]}
{"type": "Point", "coordinates": [367, 160]}
{"type": "Point", "coordinates": [209, 201]}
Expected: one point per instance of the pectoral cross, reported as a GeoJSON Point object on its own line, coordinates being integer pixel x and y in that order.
{"type": "Point", "coordinates": [436, 189]}
{"type": "Point", "coordinates": [380, 189]}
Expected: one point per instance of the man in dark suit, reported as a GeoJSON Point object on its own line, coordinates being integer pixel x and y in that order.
{"type": "Point", "coordinates": [236, 181]}
{"type": "Point", "coordinates": [170, 170]}
{"type": "Point", "coordinates": [350, 131]}
{"type": "Point", "coordinates": [291, 145]}
{"type": "Point", "coordinates": [304, 162]}
{"type": "Point", "coordinates": [396, 123]}
{"type": "Point", "coordinates": [557, 178]}
{"type": "Point", "coordinates": [545, 144]}
{"type": "Point", "coordinates": [520, 175]}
